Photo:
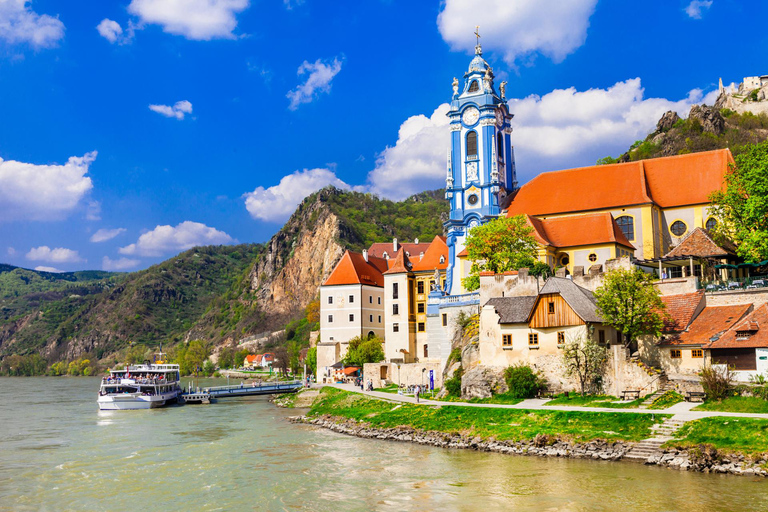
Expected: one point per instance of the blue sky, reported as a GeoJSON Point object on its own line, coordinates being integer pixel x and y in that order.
{"type": "Point", "coordinates": [134, 129]}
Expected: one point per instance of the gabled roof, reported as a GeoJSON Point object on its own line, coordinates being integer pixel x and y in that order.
{"type": "Point", "coordinates": [250, 358]}
{"type": "Point", "coordinates": [668, 181]}
{"type": "Point", "coordinates": [431, 259]}
{"type": "Point", "coordinates": [512, 310]}
{"type": "Point", "coordinates": [581, 300]}
{"type": "Point", "coordinates": [416, 262]}
{"type": "Point", "coordinates": [578, 230]}
{"type": "Point", "coordinates": [353, 269]}
{"type": "Point", "coordinates": [751, 332]}
{"type": "Point", "coordinates": [680, 309]}
{"type": "Point", "coordinates": [709, 325]}
{"type": "Point", "coordinates": [378, 249]}
{"type": "Point", "coordinates": [699, 243]}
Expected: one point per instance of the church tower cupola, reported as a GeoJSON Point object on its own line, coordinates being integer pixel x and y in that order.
{"type": "Point", "coordinates": [481, 161]}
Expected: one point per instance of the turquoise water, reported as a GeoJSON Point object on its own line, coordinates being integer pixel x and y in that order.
{"type": "Point", "coordinates": [58, 452]}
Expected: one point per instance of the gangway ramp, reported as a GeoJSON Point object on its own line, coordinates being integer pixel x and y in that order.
{"type": "Point", "coordinates": [205, 395]}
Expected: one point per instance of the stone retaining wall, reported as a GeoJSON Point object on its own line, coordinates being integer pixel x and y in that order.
{"type": "Point", "coordinates": [699, 459]}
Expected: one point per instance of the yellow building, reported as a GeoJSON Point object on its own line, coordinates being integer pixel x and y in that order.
{"type": "Point", "coordinates": [655, 203]}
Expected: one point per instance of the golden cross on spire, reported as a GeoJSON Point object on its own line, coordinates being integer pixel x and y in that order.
{"type": "Point", "coordinates": [477, 33]}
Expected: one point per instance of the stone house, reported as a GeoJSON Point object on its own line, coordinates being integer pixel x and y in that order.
{"type": "Point", "coordinates": [534, 329]}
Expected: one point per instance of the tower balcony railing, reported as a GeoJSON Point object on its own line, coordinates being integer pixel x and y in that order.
{"type": "Point", "coordinates": [465, 298]}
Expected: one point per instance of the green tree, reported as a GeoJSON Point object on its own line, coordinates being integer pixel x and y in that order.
{"type": "Point", "coordinates": [239, 357]}
{"type": "Point", "coordinates": [541, 269]}
{"type": "Point", "coordinates": [226, 357]}
{"type": "Point", "coordinates": [628, 301]}
{"type": "Point", "coordinates": [586, 359]}
{"type": "Point", "coordinates": [312, 360]}
{"type": "Point", "coordinates": [505, 243]}
{"type": "Point", "coordinates": [523, 382]}
{"type": "Point", "coordinates": [364, 350]}
{"type": "Point", "coordinates": [741, 209]}
{"type": "Point", "coordinates": [197, 352]}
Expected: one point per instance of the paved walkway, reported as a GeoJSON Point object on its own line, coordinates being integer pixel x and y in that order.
{"type": "Point", "coordinates": [681, 411]}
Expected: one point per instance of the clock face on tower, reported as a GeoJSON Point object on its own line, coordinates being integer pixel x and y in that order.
{"type": "Point", "coordinates": [470, 116]}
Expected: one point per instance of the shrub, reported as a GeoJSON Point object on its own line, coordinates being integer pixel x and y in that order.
{"type": "Point", "coordinates": [717, 384]}
{"type": "Point", "coordinates": [453, 385]}
{"type": "Point", "coordinates": [523, 382]}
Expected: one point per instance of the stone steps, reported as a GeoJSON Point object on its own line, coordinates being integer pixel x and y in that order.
{"type": "Point", "coordinates": [651, 447]}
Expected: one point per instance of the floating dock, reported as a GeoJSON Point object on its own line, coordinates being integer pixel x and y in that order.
{"type": "Point", "coordinates": [207, 395]}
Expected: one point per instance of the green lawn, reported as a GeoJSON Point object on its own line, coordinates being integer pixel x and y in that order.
{"type": "Point", "coordinates": [607, 401]}
{"type": "Point", "coordinates": [502, 424]}
{"type": "Point", "coordinates": [735, 404]}
{"type": "Point", "coordinates": [746, 435]}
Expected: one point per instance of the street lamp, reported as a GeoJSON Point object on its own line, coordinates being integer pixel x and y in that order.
{"type": "Point", "coordinates": [422, 378]}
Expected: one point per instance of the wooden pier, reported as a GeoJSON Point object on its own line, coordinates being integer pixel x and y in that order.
{"type": "Point", "coordinates": [207, 395]}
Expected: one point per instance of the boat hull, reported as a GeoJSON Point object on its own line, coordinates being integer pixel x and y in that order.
{"type": "Point", "coordinates": [129, 402]}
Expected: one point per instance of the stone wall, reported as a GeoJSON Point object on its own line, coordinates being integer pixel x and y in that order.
{"type": "Point", "coordinates": [757, 297]}
{"type": "Point", "coordinates": [623, 374]}
{"type": "Point", "coordinates": [677, 286]}
{"type": "Point", "coordinates": [409, 374]}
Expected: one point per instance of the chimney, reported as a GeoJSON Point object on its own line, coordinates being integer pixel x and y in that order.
{"type": "Point", "coordinates": [394, 244]}
{"type": "Point", "coordinates": [365, 254]}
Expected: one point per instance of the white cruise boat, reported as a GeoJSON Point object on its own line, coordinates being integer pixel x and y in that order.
{"type": "Point", "coordinates": [143, 386]}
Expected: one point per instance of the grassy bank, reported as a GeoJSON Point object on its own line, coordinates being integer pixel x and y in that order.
{"type": "Point", "coordinates": [495, 399]}
{"type": "Point", "coordinates": [735, 404]}
{"type": "Point", "coordinates": [608, 401]}
{"type": "Point", "coordinates": [743, 435]}
{"type": "Point", "coordinates": [501, 424]}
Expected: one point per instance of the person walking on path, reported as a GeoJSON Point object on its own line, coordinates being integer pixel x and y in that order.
{"type": "Point", "coordinates": [418, 390]}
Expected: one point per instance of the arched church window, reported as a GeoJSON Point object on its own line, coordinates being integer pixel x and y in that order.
{"type": "Point", "coordinates": [565, 260]}
{"type": "Point", "coordinates": [474, 86]}
{"type": "Point", "coordinates": [499, 146]}
{"type": "Point", "coordinates": [711, 223]}
{"type": "Point", "coordinates": [627, 225]}
{"type": "Point", "coordinates": [471, 144]}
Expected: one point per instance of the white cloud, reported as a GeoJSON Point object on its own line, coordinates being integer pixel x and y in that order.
{"type": "Point", "coordinates": [103, 234]}
{"type": "Point", "coordinates": [553, 28]}
{"type": "Point", "coordinates": [567, 128]}
{"type": "Point", "coordinates": [562, 129]}
{"type": "Point", "coordinates": [318, 81]}
{"type": "Point", "coordinates": [201, 20]}
{"type": "Point", "coordinates": [418, 159]}
{"type": "Point", "coordinates": [277, 203]}
{"type": "Point", "coordinates": [20, 24]}
{"type": "Point", "coordinates": [696, 8]}
{"type": "Point", "coordinates": [113, 32]}
{"type": "Point", "coordinates": [290, 4]}
{"type": "Point", "coordinates": [43, 192]}
{"type": "Point", "coordinates": [177, 110]}
{"type": "Point", "coordinates": [167, 239]}
{"type": "Point", "coordinates": [11, 251]}
{"type": "Point", "coordinates": [93, 212]}
{"type": "Point", "coordinates": [57, 255]}
{"type": "Point", "coordinates": [118, 265]}
{"type": "Point", "coordinates": [53, 270]}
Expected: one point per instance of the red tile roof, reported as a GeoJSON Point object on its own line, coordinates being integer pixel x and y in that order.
{"type": "Point", "coordinates": [752, 332]}
{"type": "Point", "coordinates": [712, 321]}
{"type": "Point", "coordinates": [578, 230]}
{"type": "Point", "coordinates": [463, 253]}
{"type": "Point", "coordinates": [250, 358]}
{"type": "Point", "coordinates": [431, 259]}
{"type": "Point", "coordinates": [699, 243]}
{"type": "Point", "coordinates": [417, 263]}
{"type": "Point", "coordinates": [378, 249]}
{"type": "Point", "coordinates": [353, 269]}
{"type": "Point", "coordinates": [680, 309]}
{"type": "Point", "coordinates": [669, 181]}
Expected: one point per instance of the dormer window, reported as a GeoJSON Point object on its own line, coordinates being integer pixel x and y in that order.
{"type": "Point", "coordinates": [743, 335]}
{"type": "Point", "coordinates": [474, 86]}
{"type": "Point", "coordinates": [442, 259]}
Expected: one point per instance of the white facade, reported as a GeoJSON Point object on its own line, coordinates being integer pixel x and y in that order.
{"type": "Point", "coordinates": [351, 310]}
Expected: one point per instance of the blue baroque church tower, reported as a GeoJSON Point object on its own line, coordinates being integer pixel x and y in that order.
{"type": "Point", "coordinates": [481, 160]}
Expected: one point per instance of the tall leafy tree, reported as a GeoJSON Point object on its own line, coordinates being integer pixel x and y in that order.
{"type": "Point", "coordinates": [585, 359]}
{"type": "Point", "coordinates": [629, 302]}
{"type": "Point", "coordinates": [503, 244]}
{"type": "Point", "coordinates": [741, 209]}
{"type": "Point", "coordinates": [364, 350]}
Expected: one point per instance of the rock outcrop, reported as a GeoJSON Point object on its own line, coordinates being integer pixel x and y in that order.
{"type": "Point", "coordinates": [482, 382]}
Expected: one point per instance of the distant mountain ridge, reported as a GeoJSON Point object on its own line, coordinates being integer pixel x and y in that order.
{"type": "Point", "coordinates": [217, 293]}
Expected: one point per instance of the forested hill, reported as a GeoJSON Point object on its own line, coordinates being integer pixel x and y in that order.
{"type": "Point", "coordinates": [217, 294]}
{"type": "Point", "coordinates": [705, 129]}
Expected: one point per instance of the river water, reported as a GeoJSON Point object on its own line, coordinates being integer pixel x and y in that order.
{"type": "Point", "coordinates": [58, 452]}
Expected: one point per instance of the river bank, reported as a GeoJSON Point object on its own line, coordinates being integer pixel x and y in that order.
{"type": "Point", "coordinates": [577, 435]}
